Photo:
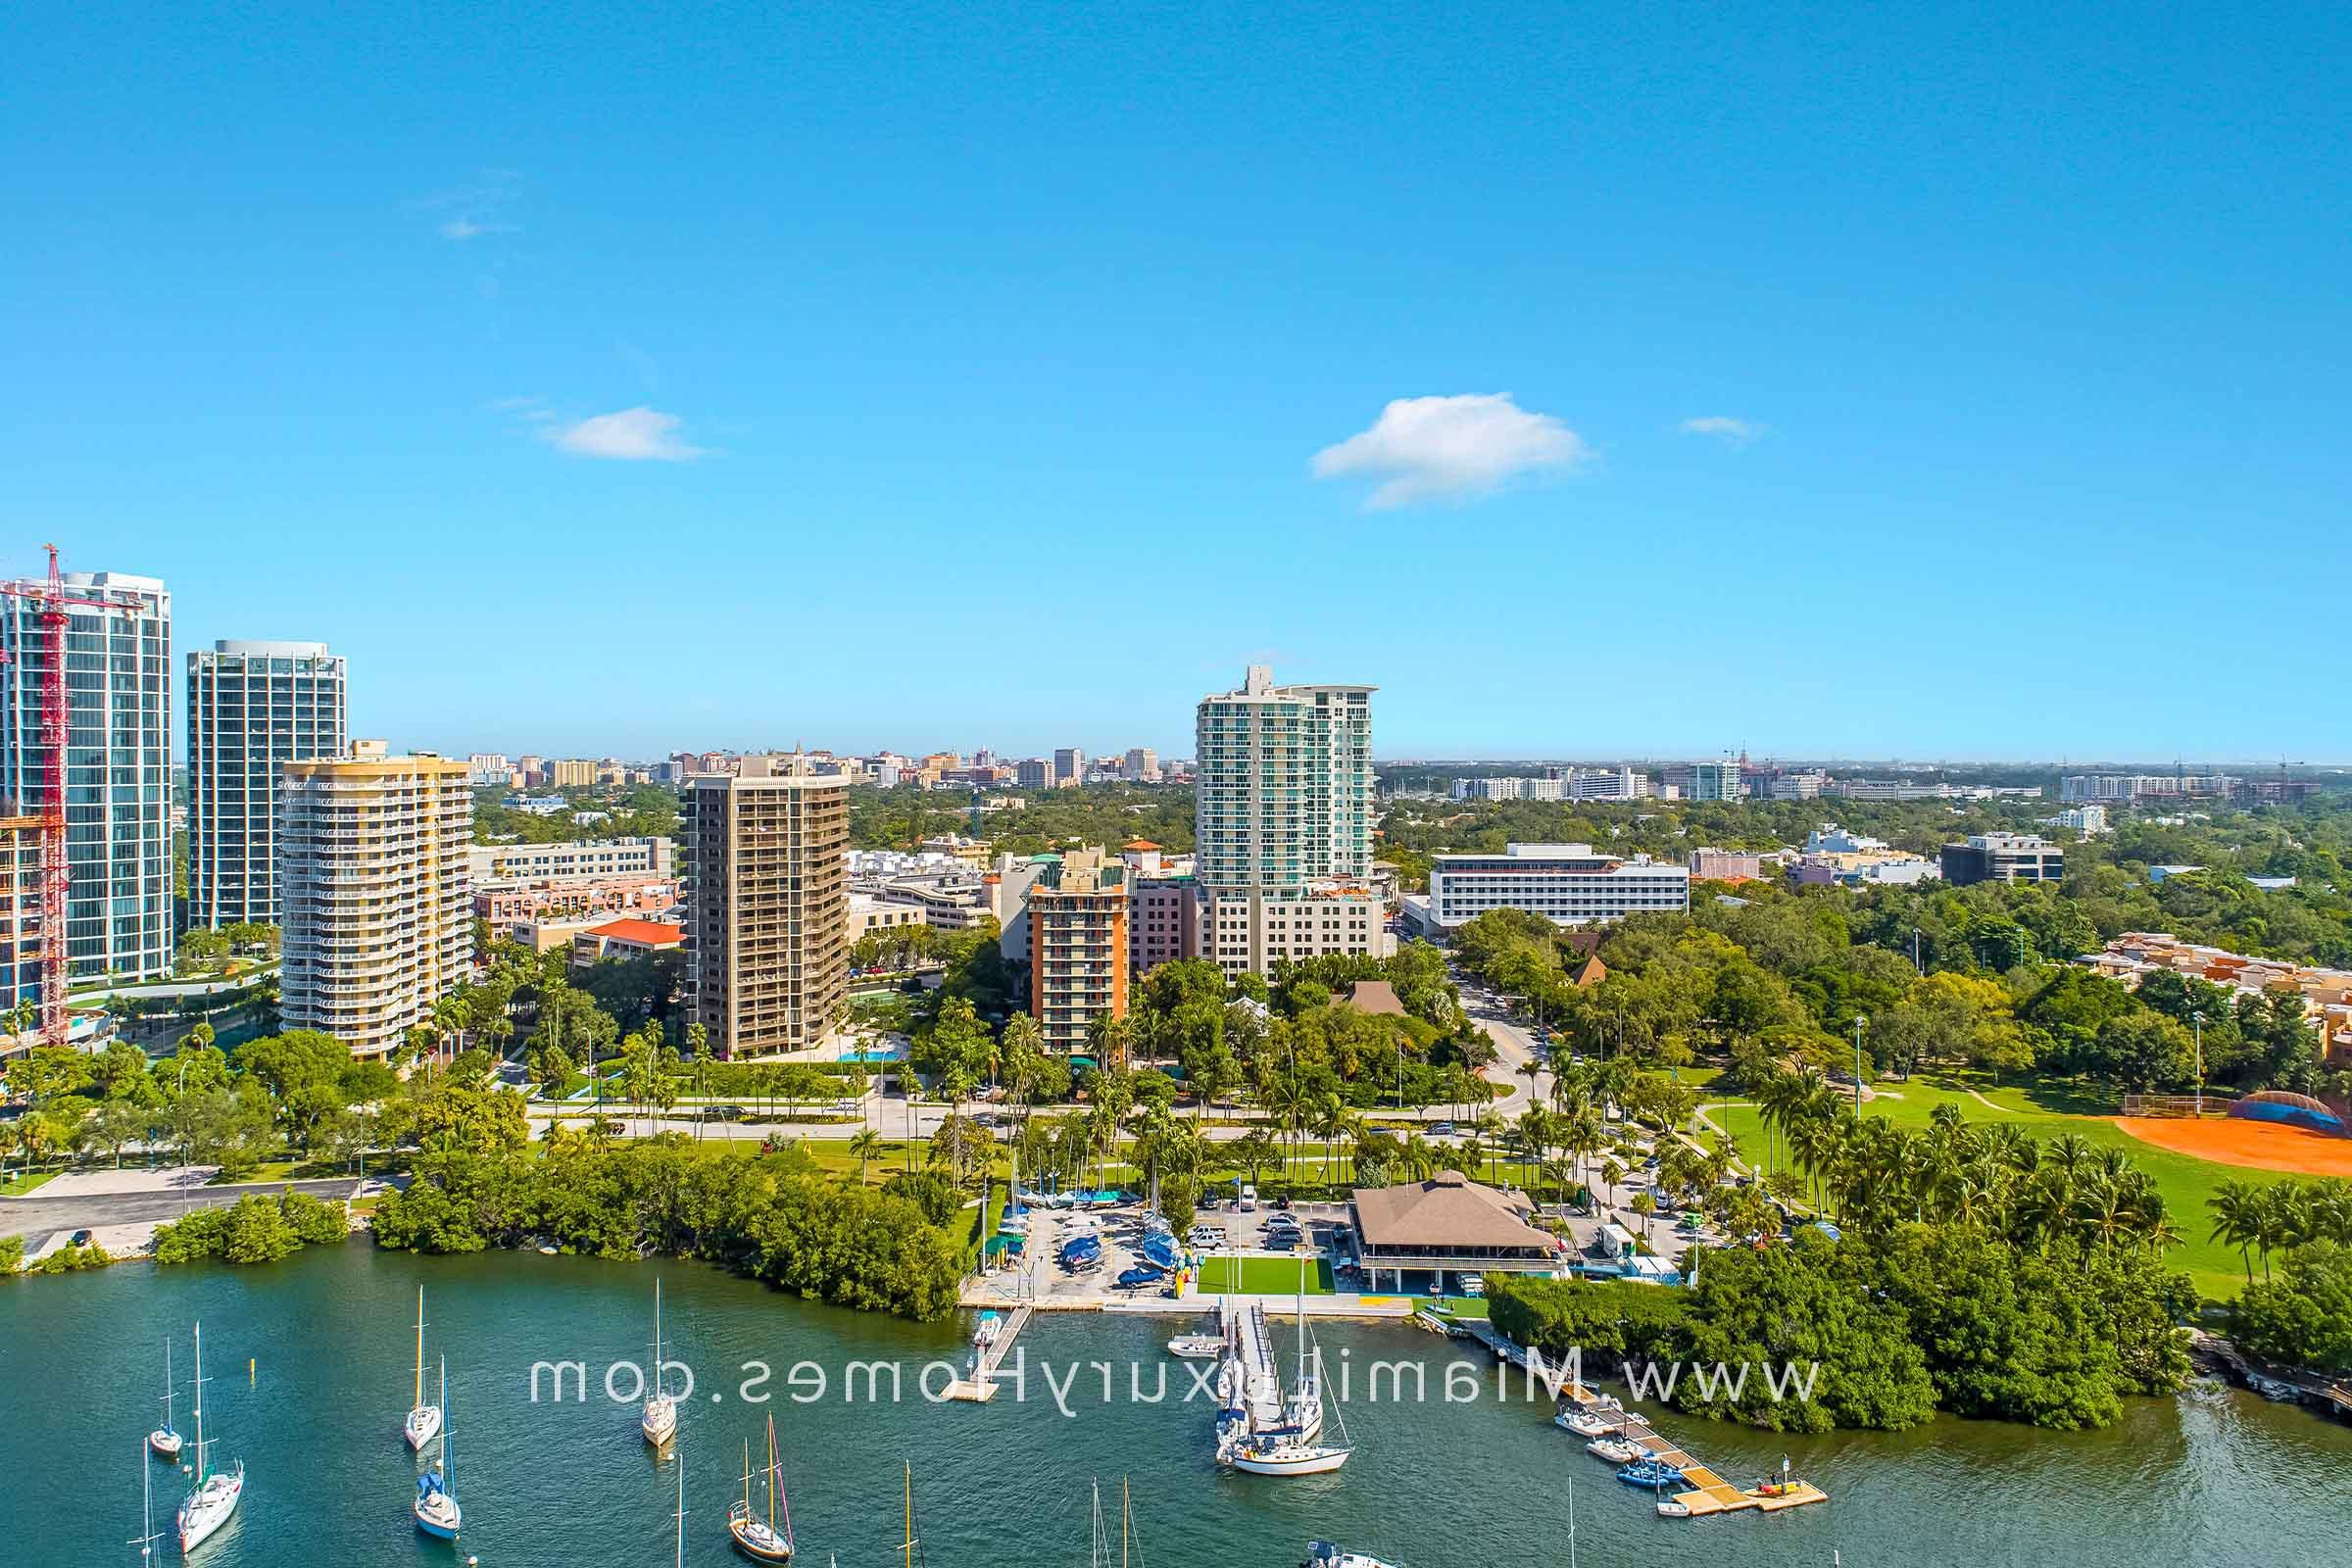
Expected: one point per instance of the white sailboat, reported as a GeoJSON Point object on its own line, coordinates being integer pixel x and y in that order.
{"type": "Point", "coordinates": [164, 1439]}
{"type": "Point", "coordinates": [1296, 1447]}
{"type": "Point", "coordinates": [436, 1505]}
{"type": "Point", "coordinates": [756, 1537]}
{"type": "Point", "coordinates": [213, 1497]}
{"type": "Point", "coordinates": [423, 1420]}
{"type": "Point", "coordinates": [660, 1423]}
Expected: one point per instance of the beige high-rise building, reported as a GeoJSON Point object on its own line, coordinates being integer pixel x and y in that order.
{"type": "Point", "coordinates": [1078, 946]}
{"type": "Point", "coordinates": [571, 773]}
{"type": "Point", "coordinates": [374, 893]}
{"type": "Point", "coordinates": [767, 941]}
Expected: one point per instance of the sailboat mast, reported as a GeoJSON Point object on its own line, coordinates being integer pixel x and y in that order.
{"type": "Point", "coordinates": [657, 1388]}
{"type": "Point", "coordinates": [449, 1463]}
{"type": "Point", "coordinates": [1124, 1513]}
{"type": "Point", "coordinates": [166, 1383]}
{"type": "Point", "coordinates": [146, 1541]}
{"type": "Point", "coordinates": [681, 1463]}
{"type": "Point", "coordinates": [418, 1398]}
{"type": "Point", "coordinates": [775, 1484]}
{"type": "Point", "coordinates": [910, 1547]}
{"type": "Point", "coordinates": [199, 1405]}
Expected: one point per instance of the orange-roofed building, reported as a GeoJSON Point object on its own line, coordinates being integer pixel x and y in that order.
{"type": "Point", "coordinates": [625, 939]}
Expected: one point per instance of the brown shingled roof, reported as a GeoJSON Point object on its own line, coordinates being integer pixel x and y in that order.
{"type": "Point", "coordinates": [1449, 1209]}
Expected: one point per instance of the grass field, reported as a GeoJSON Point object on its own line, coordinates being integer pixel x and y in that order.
{"type": "Point", "coordinates": [2046, 1111]}
{"type": "Point", "coordinates": [1263, 1276]}
{"type": "Point", "coordinates": [24, 1181]}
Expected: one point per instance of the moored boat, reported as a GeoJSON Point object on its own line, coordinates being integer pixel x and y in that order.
{"type": "Point", "coordinates": [436, 1508]}
{"type": "Point", "coordinates": [1287, 1457]}
{"type": "Point", "coordinates": [213, 1499]}
{"type": "Point", "coordinates": [756, 1537]}
{"type": "Point", "coordinates": [1650, 1472]}
{"type": "Point", "coordinates": [1197, 1347]}
{"type": "Point", "coordinates": [423, 1420]}
{"type": "Point", "coordinates": [164, 1439]}
{"type": "Point", "coordinates": [1325, 1554]}
{"type": "Point", "coordinates": [659, 1420]}
{"type": "Point", "coordinates": [1616, 1450]}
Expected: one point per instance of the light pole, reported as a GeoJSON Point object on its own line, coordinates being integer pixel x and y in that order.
{"type": "Point", "coordinates": [1859, 1021]}
{"type": "Point", "coordinates": [2197, 1021]}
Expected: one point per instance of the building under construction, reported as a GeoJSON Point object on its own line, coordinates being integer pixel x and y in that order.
{"type": "Point", "coordinates": [85, 761]}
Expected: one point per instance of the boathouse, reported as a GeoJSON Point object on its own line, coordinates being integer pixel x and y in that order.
{"type": "Point", "coordinates": [1449, 1224]}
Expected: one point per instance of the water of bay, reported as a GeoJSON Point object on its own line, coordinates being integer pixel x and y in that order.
{"type": "Point", "coordinates": [2215, 1478]}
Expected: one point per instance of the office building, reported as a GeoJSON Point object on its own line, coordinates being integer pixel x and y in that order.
{"type": "Point", "coordinates": [1078, 957]}
{"type": "Point", "coordinates": [2003, 858]}
{"type": "Point", "coordinates": [253, 708]}
{"type": "Point", "coordinates": [118, 765]}
{"type": "Point", "coordinates": [1034, 773]}
{"type": "Point", "coordinates": [1142, 765]}
{"type": "Point", "coordinates": [1163, 912]}
{"type": "Point", "coordinates": [1568, 884]}
{"type": "Point", "coordinates": [375, 897]}
{"type": "Point", "coordinates": [1283, 819]}
{"type": "Point", "coordinates": [1069, 765]}
{"type": "Point", "coordinates": [490, 767]}
{"type": "Point", "coordinates": [1715, 781]}
{"type": "Point", "coordinates": [767, 944]}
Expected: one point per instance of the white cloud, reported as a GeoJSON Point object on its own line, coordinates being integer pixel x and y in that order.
{"type": "Point", "coordinates": [1450, 447]}
{"type": "Point", "coordinates": [1730, 431]}
{"type": "Point", "coordinates": [635, 435]}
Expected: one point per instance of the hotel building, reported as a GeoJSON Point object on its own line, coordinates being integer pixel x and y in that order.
{"type": "Point", "coordinates": [1568, 884]}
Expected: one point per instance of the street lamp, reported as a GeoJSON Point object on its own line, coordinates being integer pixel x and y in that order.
{"type": "Point", "coordinates": [2197, 1020]}
{"type": "Point", "coordinates": [1859, 1021]}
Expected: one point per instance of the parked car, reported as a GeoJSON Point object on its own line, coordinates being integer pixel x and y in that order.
{"type": "Point", "coordinates": [81, 1239]}
{"type": "Point", "coordinates": [1282, 1242]}
{"type": "Point", "coordinates": [1442, 1129]}
{"type": "Point", "coordinates": [1248, 1202]}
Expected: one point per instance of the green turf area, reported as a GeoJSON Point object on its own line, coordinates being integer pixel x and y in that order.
{"type": "Point", "coordinates": [1452, 1306]}
{"type": "Point", "coordinates": [1263, 1276]}
{"type": "Point", "coordinates": [24, 1181]}
{"type": "Point", "coordinates": [2184, 1181]}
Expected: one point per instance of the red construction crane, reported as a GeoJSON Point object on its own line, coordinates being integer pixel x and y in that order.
{"type": "Point", "coordinates": [53, 608]}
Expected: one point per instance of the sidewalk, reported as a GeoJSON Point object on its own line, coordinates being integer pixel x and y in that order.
{"type": "Point", "coordinates": [93, 1183]}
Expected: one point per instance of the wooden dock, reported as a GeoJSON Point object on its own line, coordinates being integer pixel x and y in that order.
{"type": "Point", "coordinates": [1703, 1492]}
{"type": "Point", "coordinates": [981, 1386]}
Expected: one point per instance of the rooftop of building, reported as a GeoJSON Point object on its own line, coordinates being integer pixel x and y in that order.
{"type": "Point", "coordinates": [649, 933]}
{"type": "Point", "coordinates": [1449, 1209]}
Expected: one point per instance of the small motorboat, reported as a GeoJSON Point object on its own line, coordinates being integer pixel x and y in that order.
{"type": "Point", "coordinates": [1616, 1450]}
{"type": "Point", "coordinates": [1136, 1278]}
{"type": "Point", "coordinates": [1668, 1508]}
{"type": "Point", "coordinates": [1323, 1555]}
{"type": "Point", "coordinates": [1589, 1423]}
{"type": "Point", "coordinates": [1197, 1347]}
{"type": "Point", "coordinates": [984, 1334]}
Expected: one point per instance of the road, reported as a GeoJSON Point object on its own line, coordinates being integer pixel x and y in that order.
{"type": "Point", "coordinates": [1514, 1045]}
{"type": "Point", "coordinates": [35, 1216]}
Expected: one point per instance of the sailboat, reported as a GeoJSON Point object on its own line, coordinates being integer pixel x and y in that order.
{"type": "Point", "coordinates": [436, 1505]}
{"type": "Point", "coordinates": [1296, 1447]}
{"type": "Point", "coordinates": [682, 1511]}
{"type": "Point", "coordinates": [909, 1544]}
{"type": "Point", "coordinates": [423, 1420]}
{"type": "Point", "coordinates": [659, 1422]}
{"type": "Point", "coordinates": [213, 1497]}
{"type": "Point", "coordinates": [147, 1536]}
{"type": "Point", "coordinates": [756, 1537]}
{"type": "Point", "coordinates": [164, 1439]}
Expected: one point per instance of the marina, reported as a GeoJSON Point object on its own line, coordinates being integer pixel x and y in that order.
{"type": "Point", "coordinates": [1431, 1484]}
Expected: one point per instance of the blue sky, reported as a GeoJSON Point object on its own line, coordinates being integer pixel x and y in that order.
{"type": "Point", "coordinates": [614, 379]}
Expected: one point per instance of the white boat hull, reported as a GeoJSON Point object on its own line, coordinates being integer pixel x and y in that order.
{"type": "Point", "coordinates": [422, 1426]}
{"type": "Point", "coordinates": [166, 1445]}
{"type": "Point", "coordinates": [753, 1538]}
{"type": "Point", "coordinates": [209, 1508]}
{"type": "Point", "coordinates": [438, 1516]}
{"type": "Point", "coordinates": [1290, 1461]}
{"type": "Point", "coordinates": [660, 1420]}
{"type": "Point", "coordinates": [1674, 1510]}
{"type": "Point", "coordinates": [1197, 1347]}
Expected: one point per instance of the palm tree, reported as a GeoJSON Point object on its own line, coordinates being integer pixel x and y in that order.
{"type": "Point", "coordinates": [865, 1146]}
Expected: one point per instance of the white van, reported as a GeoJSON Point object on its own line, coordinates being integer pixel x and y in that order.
{"type": "Point", "coordinates": [1248, 1202]}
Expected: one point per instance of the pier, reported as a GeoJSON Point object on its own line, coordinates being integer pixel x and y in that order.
{"type": "Point", "coordinates": [981, 1386]}
{"type": "Point", "coordinates": [1246, 1330]}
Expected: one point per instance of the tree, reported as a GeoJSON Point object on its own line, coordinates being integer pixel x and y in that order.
{"type": "Point", "coordinates": [865, 1147]}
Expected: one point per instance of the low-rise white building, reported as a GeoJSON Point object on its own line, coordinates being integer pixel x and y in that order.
{"type": "Point", "coordinates": [1568, 884]}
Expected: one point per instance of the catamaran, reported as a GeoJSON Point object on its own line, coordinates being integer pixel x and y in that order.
{"type": "Point", "coordinates": [756, 1537]}
{"type": "Point", "coordinates": [213, 1497]}
{"type": "Point", "coordinates": [660, 1423]}
{"type": "Point", "coordinates": [423, 1420]}
{"type": "Point", "coordinates": [164, 1439]}
{"type": "Point", "coordinates": [436, 1505]}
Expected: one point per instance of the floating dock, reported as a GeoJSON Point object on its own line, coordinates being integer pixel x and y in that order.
{"type": "Point", "coordinates": [1252, 1338]}
{"type": "Point", "coordinates": [981, 1386]}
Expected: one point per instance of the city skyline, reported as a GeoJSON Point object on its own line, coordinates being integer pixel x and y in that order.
{"type": "Point", "coordinates": [1728, 386]}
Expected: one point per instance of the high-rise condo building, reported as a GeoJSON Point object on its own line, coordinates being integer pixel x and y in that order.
{"type": "Point", "coordinates": [1069, 765]}
{"type": "Point", "coordinates": [375, 897]}
{"type": "Point", "coordinates": [1078, 954]}
{"type": "Point", "coordinates": [1142, 765]}
{"type": "Point", "coordinates": [118, 765]}
{"type": "Point", "coordinates": [767, 871]}
{"type": "Point", "coordinates": [253, 706]}
{"type": "Point", "coordinates": [1283, 818]}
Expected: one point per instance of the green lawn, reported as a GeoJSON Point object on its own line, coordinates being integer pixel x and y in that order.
{"type": "Point", "coordinates": [24, 1181]}
{"type": "Point", "coordinates": [2184, 1181]}
{"type": "Point", "coordinates": [1263, 1276]}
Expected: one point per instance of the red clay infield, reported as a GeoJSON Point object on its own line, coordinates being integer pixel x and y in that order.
{"type": "Point", "coordinates": [2236, 1141]}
